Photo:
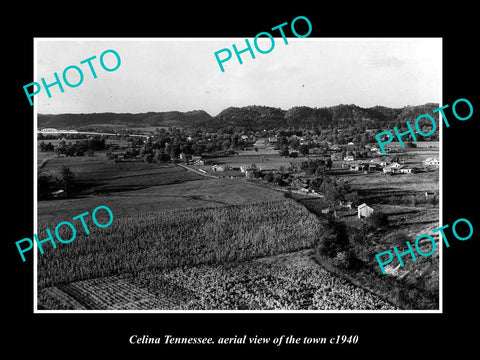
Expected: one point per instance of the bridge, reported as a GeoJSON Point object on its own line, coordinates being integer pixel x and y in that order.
{"type": "Point", "coordinates": [51, 131]}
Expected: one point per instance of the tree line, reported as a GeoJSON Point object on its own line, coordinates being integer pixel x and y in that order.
{"type": "Point", "coordinates": [78, 148]}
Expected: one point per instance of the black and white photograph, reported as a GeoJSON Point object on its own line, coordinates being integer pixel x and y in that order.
{"type": "Point", "coordinates": [268, 180]}
{"type": "Point", "coordinates": [261, 187]}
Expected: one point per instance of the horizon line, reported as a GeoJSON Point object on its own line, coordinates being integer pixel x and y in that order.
{"type": "Point", "coordinates": [237, 107]}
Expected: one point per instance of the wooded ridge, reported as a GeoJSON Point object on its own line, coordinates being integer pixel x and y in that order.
{"type": "Point", "coordinates": [253, 117]}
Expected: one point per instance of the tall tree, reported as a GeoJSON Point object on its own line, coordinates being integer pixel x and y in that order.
{"type": "Point", "coordinates": [67, 180]}
{"type": "Point", "coordinates": [284, 150]}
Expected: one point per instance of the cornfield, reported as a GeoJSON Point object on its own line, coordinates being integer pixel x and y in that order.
{"type": "Point", "coordinates": [178, 238]}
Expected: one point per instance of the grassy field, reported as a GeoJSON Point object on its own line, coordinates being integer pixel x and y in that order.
{"type": "Point", "coordinates": [97, 174]}
{"type": "Point", "coordinates": [183, 195]}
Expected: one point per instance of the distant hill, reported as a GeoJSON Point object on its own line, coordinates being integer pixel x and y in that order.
{"type": "Point", "coordinates": [170, 118]}
{"type": "Point", "coordinates": [264, 117]}
{"type": "Point", "coordinates": [252, 117]}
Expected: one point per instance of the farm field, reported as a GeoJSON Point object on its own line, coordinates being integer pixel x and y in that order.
{"type": "Point", "coordinates": [147, 200]}
{"type": "Point", "coordinates": [177, 238]}
{"type": "Point", "coordinates": [183, 241]}
{"type": "Point", "coordinates": [376, 185]}
{"type": "Point", "coordinates": [273, 161]}
{"type": "Point", "coordinates": [97, 174]}
{"type": "Point", "coordinates": [289, 281]}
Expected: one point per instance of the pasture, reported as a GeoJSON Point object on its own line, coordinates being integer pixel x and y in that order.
{"type": "Point", "coordinates": [191, 194]}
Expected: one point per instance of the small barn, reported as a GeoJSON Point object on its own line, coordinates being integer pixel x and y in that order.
{"type": "Point", "coordinates": [364, 211]}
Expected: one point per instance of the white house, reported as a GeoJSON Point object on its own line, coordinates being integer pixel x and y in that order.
{"type": "Point", "coordinates": [431, 161]}
{"type": "Point", "coordinates": [393, 168]}
{"type": "Point", "coordinates": [218, 168]}
{"type": "Point", "coordinates": [364, 211]}
{"type": "Point", "coordinates": [405, 170]}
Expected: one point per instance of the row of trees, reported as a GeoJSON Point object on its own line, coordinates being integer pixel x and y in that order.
{"type": "Point", "coordinates": [341, 243]}
{"type": "Point", "coordinates": [78, 148]}
{"type": "Point", "coordinates": [168, 145]}
{"type": "Point", "coordinates": [316, 166]}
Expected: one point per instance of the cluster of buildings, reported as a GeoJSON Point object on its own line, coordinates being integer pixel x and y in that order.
{"type": "Point", "coordinates": [386, 167]}
{"type": "Point", "coordinates": [382, 166]}
{"type": "Point", "coordinates": [363, 210]}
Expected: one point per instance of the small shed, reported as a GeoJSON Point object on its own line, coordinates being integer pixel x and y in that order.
{"type": "Point", "coordinates": [364, 211]}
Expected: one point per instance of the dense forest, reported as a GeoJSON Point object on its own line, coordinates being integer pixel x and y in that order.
{"type": "Point", "coordinates": [252, 118]}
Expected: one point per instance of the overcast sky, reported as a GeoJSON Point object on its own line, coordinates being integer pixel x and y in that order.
{"type": "Point", "coordinates": [183, 74]}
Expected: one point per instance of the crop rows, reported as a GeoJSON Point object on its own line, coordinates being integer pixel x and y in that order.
{"type": "Point", "coordinates": [108, 293]}
{"type": "Point", "coordinates": [259, 286]}
{"type": "Point", "coordinates": [53, 298]}
{"type": "Point", "coordinates": [252, 285]}
{"type": "Point", "coordinates": [179, 238]}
